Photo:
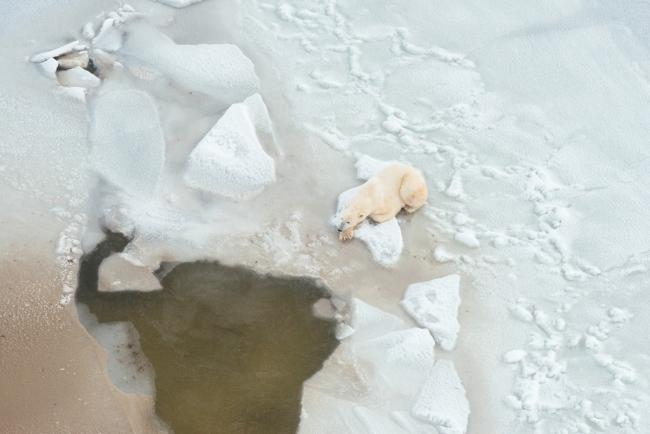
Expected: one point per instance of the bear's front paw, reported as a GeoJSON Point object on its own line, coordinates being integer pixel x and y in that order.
{"type": "Point", "coordinates": [346, 235]}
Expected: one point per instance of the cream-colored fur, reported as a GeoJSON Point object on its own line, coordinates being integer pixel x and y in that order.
{"type": "Point", "coordinates": [384, 195]}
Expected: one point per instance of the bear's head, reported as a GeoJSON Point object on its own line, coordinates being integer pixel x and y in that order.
{"type": "Point", "coordinates": [351, 216]}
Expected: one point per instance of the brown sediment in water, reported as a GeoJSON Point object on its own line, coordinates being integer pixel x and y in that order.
{"type": "Point", "coordinates": [230, 348]}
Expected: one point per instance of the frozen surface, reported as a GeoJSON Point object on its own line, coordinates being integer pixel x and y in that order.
{"type": "Point", "coordinates": [382, 378]}
{"type": "Point", "coordinates": [119, 273]}
{"type": "Point", "coordinates": [221, 71]}
{"type": "Point", "coordinates": [178, 3]}
{"type": "Point", "coordinates": [434, 305]}
{"type": "Point", "coordinates": [77, 77]}
{"type": "Point", "coordinates": [442, 400]}
{"type": "Point", "coordinates": [230, 160]}
{"type": "Point", "coordinates": [529, 121]}
{"type": "Point", "coordinates": [128, 147]}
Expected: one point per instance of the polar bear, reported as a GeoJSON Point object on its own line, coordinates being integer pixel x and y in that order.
{"type": "Point", "coordinates": [394, 187]}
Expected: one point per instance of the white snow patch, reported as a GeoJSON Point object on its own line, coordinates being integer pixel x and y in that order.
{"type": "Point", "coordinates": [468, 238]}
{"type": "Point", "coordinates": [434, 305]}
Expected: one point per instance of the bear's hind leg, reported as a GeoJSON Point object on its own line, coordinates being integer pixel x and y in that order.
{"type": "Point", "coordinates": [413, 191]}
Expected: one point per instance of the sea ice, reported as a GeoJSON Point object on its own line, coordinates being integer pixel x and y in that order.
{"type": "Point", "coordinates": [230, 160]}
{"type": "Point", "coordinates": [383, 378]}
{"type": "Point", "coordinates": [74, 59]}
{"type": "Point", "coordinates": [119, 273]}
{"type": "Point", "coordinates": [384, 240]}
{"type": "Point", "coordinates": [59, 51]}
{"type": "Point", "coordinates": [442, 400]}
{"type": "Point", "coordinates": [219, 70]}
{"type": "Point", "coordinates": [367, 167]}
{"type": "Point", "coordinates": [77, 77]}
{"type": "Point", "coordinates": [128, 148]}
{"type": "Point", "coordinates": [178, 3]}
{"type": "Point", "coordinates": [434, 305]}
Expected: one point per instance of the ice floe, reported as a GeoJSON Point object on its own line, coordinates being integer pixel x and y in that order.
{"type": "Point", "coordinates": [127, 142]}
{"type": "Point", "coordinates": [178, 3]}
{"type": "Point", "coordinates": [383, 378]}
{"type": "Point", "coordinates": [442, 400]}
{"type": "Point", "coordinates": [434, 305]}
{"type": "Point", "coordinates": [230, 160]}
{"type": "Point", "coordinates": [119, 272]}
{"type": "Point", "coordinates": [221, 71]}
{"type": "Point", "coordinates": [77, 77]}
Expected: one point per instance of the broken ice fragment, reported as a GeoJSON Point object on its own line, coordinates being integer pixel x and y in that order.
{"type": "Point", "coordinates": [119, 273]}
{"type": "Point", "coordinates": [67, 48]}
{"type": "Point", "coordinates": [128, 148]}
{"type": "Point", "coordinates": [73, 60]}
{"type": "Point", "coordinates": [178, 3]}
{"type": "Point", "coordinates": [442, 401]}
{"type": "Point", "coordinates": [384, 240]}
{"type": "Point", "coordinates": [230, 160]}
{"type": "Point", "coordinates": [77, 77]}
{"type": "Point", "coordinates": [221, 71]}
{"type": "Point", "coordinates": [434, 305]}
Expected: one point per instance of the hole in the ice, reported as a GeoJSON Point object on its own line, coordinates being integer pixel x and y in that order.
{"type": "Point", "coordinates": [230, 348]}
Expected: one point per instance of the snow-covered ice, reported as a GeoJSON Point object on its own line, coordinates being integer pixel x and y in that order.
{"type": "Point", "coordinates": [178, 3]}
{"type": "Point", "coordinates": [119, 273]}
{"type": "Point", "coordinates": [128, 147]}
{"type": "Point", "coordinates": [221, 71]}
{"type": "Point", "coordinates": [434, 305]}
{"type": "Point", "coordinates": [230, 160]}
{"type": "Point", "coordinates": [77, 77]}
{"type": "Point", "coordinates": [442, 400]}
{"type": "Point", "coordinates": [383, 378]}
{"type": "Point", "coordinates": [528, 121]}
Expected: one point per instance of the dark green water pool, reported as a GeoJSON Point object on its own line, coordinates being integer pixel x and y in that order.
{"type": "Point", "coordinates": [230, 347]}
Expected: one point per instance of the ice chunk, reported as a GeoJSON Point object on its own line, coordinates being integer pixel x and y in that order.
{"type": "Point", "coordinates": [49, 67]}
{"type": "Point", "coordinates": [77, 77]}
{"type": "Point", "coordinates": [371, 382]}
{"type": "Point", "coordinates": [75, 59]}
{"type": "Point", "coordinates": [434, 305]}
{"type": "Point", "coordinates": [109, 37]}
{"type": "Point", "coordinates": [178, 3]}
{"type": "Point", "coordinates": [263, 125]}
{"type": "Point", "coordinates": [128, 148]}
{"type": "Point", "coordinates": [367, 321]}
{"type": "Point", "coordinates": [384, 240]}
{"type": "Point", "coordinates": [64, 49]}
{"type": "Point", "coordinates": [219, 70]}
{"type": "Point", "coordinates": [399, 358]}
{"type": "Point", "coordinates": [119, 273]}
{"type": "Point", "coordinates": [367, 167]}
{"type": "Point", "coordinates": [442, 400]}
{"type": "Point", "coordinates": [230, 160]}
